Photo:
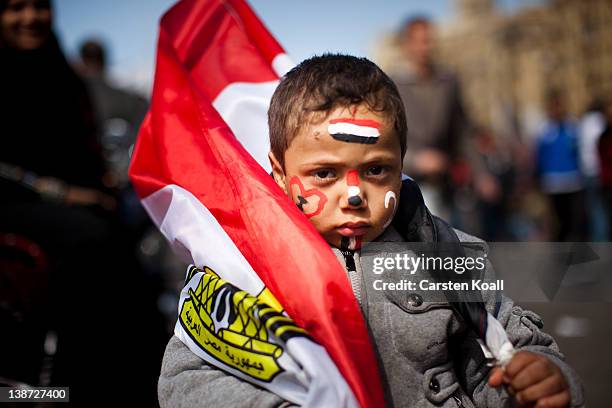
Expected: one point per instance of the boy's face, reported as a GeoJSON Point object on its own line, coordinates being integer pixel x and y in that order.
{"type": "Point", "coordinates": [344, 173]}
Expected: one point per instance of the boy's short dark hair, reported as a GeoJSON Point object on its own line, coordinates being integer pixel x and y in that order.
{"type": "Point", "coordinates": [322, 83]}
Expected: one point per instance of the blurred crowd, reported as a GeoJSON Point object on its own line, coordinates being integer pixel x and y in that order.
{"type": "Point", "coordinates": [87, 287]}
{"type": "Point", "coordinates": [80, 280]}
{"type": "Point", "coordinates": [554, 187]}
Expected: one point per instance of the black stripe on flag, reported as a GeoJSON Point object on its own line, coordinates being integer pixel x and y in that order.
{"type": "Point", "coordinates": [347, 137]}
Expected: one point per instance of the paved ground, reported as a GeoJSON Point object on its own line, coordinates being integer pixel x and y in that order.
{"type": "Point", "coordinates": [584, 334]}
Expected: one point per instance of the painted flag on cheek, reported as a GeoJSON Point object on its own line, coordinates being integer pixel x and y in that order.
{"type": "Point", "coordinates": [267, 299]}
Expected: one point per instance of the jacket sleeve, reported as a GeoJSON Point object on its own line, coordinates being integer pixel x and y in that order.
{"type": "Point", "coordinates": [188, 381]}
{"type": "Point", "coordinates": [525, 331]}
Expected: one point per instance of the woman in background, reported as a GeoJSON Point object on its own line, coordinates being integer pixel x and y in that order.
{"type": "Point", "coordinates": [53, 197]}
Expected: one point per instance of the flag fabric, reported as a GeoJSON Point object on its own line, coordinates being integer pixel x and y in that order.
{"type": "Point", "coordinates": [267, 299]}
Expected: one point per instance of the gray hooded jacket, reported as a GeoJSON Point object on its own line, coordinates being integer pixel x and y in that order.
{"type": "Point", "coordinates": [427, 355]}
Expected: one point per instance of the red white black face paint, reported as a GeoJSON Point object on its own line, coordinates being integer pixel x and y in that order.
{"type": "Point", "coordinates": [388, 197]}
{"type": "Point", "coordinates": [310, 202]}
{"type": "Point", "coordinates": [351, 130]}
{"type": "Point", "coordinates": [353, 192]}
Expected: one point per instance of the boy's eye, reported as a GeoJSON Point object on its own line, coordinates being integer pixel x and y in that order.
{"type": "Point", "coordinates": [325, 174]}
{"type": "Point", "coordinates": [375, 171]}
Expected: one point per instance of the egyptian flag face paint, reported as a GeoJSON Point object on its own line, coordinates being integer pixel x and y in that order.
{"type": "Point", "coordinates": [351, 130]}
{"type": "Point", "coordinates": [310, 202]}
{"type": "Point", "coordinates": [388, 197]}
{"type": "Point", "coordinates": [354, 192]}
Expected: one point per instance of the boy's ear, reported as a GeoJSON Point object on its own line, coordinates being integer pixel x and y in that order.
{"type": "Point", "coordinates": [277, 172]}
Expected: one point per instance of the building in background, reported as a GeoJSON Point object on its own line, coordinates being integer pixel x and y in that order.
{"type": "Point", "coordinates": [507, 62]}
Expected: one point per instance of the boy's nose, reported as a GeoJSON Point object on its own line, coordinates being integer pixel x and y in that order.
{"type": "Point", "coordinates": [353, 202]}
{"type": "Point", "coordinates": [354, 196]}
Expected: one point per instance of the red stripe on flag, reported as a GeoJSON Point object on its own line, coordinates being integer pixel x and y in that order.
{"type": "Point", "coordinates": [221, 42]}
{"type": "Point", "coordinates": [358, 122]}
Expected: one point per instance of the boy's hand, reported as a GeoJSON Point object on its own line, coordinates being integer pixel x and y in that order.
{"type": "Point", "coordinates": [534, 380]}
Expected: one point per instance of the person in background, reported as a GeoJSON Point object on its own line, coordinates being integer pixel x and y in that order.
{"type": "Point", "coordinates": [53, 196]}
{"type": "Point", "coordinates": [558, 170]}
{"type": "Point", "coordinates": [604, 150]}
{"type": "Point", "coordinates": [498, 156]}
{"type": "Point", "coordinates": [118, 112]}
{"type": "Point", "coordinates": [47, 120]}
{"type": "Point", "coordinates": [591, 126]}
{"type": "Point", "coordinates": [439, 132]}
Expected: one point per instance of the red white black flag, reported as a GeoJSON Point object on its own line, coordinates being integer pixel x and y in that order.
{"type": "Point", "coordinates": [267, 299]}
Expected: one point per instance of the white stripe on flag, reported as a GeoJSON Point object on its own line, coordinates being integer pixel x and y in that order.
{"type": "Point", "coordinates": [281, 64]}
{"type": "Point", "coordinates": [497, 341]}
{"type": "Point", "coordinates": [196, 236]}
{"type": "Point", "coordinates": [244, 107]}
{"type": "Point", "coordinates": [310, 377]}
{"type": "Point", "coordinates": [352, 129]}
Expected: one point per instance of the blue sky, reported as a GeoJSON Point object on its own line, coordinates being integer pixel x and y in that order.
{"type": "Point", "coordinates": [303, 27]}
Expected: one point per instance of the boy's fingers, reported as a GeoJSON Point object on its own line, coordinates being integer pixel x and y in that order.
{"type": "Point", "coordinates": [520, 360]}
{"type": "Point", "coordinates": [560, 400]}
{"type": "Point", "coordinates": [497, 376]}
{"type": "Point", "coordinates": [550, 386]}
{"type": "Point", "coordinates": [531, 374]}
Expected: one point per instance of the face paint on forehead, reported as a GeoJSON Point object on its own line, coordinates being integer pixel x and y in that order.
{"type": "Point", "coordinates": [310, 202]}
{"type": "Point", "coordinates": [351, 130]}
{"type": "Point", "coordinates": [388, 197]}
{"type": "Point", "coordinates": [353, 193]}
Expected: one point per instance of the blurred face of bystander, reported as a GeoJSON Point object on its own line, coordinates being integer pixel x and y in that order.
{"type": "Point", "coordinates": [419, 43]}
{"type": "Point", "coordinates": [556, 108]}
{"type": "Point", "coordinates": [25, 24]}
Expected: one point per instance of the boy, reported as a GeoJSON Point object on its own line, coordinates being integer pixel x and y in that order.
{"type": "Point", "coordinates": [337, 132]}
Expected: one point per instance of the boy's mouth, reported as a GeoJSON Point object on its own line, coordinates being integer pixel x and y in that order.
{"type": "Point", "coordinates": [350, 229]}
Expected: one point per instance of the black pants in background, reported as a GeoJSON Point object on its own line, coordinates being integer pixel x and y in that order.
{"type": "Point", "coordinates": [607, 196]}
{"type": "Point", "coordinates": [570, 212]}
